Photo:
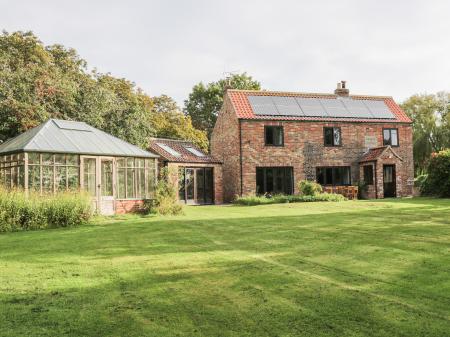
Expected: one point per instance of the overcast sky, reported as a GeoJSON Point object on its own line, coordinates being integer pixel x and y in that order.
{"type": "Point", "coordinates": [381, 47]}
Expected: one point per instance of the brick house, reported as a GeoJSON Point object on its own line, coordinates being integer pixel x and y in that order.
{"type": "Point", "coordinates": [197, 175]}
{"type": "Point", "coordinates": [268, 141]}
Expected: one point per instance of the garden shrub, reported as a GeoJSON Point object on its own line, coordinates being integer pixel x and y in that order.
{"type": "Point", "coordinates": [420, 180]}
{"type": "Point", "coordinates": [21, 212]}
{"type": "Point", "coordinates": [166, 199]}
{"type": "Point", "coordinates": [253, 200]}
{"type": "Point", "coordinates": [307, 187]}
{"type": "Point", "coordinates": [438, 181]}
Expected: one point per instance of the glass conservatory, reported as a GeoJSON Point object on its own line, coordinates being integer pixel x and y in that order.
{"type": "Point", "coordinates": [61, 156]}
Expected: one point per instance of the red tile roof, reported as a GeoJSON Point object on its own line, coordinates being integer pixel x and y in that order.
{"type": "Point", "coordinates": [244, 110]}
{"type": "Point", "coordinates": [372, 154]}
{"type": "Point", "coordinates": [375, 153]}
{"type": "Point", "coordinates": [180, 146]}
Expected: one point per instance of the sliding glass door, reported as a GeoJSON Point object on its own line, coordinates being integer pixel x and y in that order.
{"type": "Point", "coordinates": [196, 185]}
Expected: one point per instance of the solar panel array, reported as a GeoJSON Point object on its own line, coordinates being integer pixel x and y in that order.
{"type": "Point", "coordinates": [319, 107]}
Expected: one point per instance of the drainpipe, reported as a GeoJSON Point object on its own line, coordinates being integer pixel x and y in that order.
{"type": "Point", "coordinates": [240, 154]}
{"type": "Point", "coordinates": [376, 180]}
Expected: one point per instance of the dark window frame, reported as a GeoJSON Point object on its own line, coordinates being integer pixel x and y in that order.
{"type": "Point", "coordinates": [277, 127]}
{"type": "Point", "coordinates": [182, 184]}
{"type": "Point", "coordinates": [365, 174]}
{"type": "Point", "coordinates": [333, 168]}
{"type": "Point", "coordinates": [289, 190]}
{"type": "Point", "coordinates": [390, 137]}
{"type": "Point", "coordinates": [324, 136]}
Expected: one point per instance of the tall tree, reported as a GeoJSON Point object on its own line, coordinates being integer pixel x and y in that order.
{"type": "Point", "coordinates": [170, 122]}
{"type": "Point", "coordinates": [431, 126]}
{"type": "Point", "coordinates": [205, 101]}
{"type": "Point", "coordinates": [39, 82]}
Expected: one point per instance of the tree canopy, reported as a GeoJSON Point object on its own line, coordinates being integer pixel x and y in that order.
{"type": "Point", "coordinates": [39, 82]}
{"type": "Point", "coordinates": [205, 100]}
{"type": "Point", "coordinates": [431, 126]}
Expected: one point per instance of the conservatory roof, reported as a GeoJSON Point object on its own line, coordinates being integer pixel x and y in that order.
{"type": "Point", "coordinates": [61, 136]}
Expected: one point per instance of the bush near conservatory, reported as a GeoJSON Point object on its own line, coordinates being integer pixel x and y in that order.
{"type": "Point", "coordinates": [437, 182]}
{"type": "Point", "coordinates": [20, 212]}
{"type": "Point", "coordinates": [166, 199]}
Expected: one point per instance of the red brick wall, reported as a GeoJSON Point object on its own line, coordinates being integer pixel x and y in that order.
{"type": "Point", "coordinates": [128, 206]}
{"type": "Point", "coordinates": [225, 147]}
{"type": "Point", "coordinates": [303, 150]}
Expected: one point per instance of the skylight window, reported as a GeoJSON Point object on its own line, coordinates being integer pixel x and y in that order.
{"type": "Point", "coordinates": [168, 149]}
{"type": "Point", "coordinates": [72, 125]}
{"type": "Point", "coordinates": [194, 151]}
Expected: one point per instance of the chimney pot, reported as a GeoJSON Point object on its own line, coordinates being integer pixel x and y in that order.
{"type": "Point", "coordinates": [341, 90]}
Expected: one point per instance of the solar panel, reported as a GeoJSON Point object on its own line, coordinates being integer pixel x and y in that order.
{"type": "Point", "coordinates": [323, 107]}
{"type": "Point", "coordinates": [194, 151]}
{"type": "Point", "coordinates": [379, 109]}
{"type": "Point", "coordinates": [168, 149]}
{"type": "Point", "coordinates": [263, 105]}
{"type": "Point", "coordinates": [70, 125]}
{"type": "Point", "coordinates": [334, 107]}
{"type": "Point", "coordinates": [311, 107]}
{"type": "Point", "coordinates": [287, 106]}
{"type": "Point", "coordinates": [356, 108]}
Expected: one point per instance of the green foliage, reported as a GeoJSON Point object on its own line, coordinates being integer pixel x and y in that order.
{"type": "Point", "coordinates": [307, 187]}
{"type": "Point", "coordinates": [166, 199]}
{"type": "Point", "coordinates": [362, 189]}
{"type": "Point", "coordinates": [253, 200]}
{"type": "Point", "coordinates": [39, 82]}
{"type": "Point", "coordinates": [438, 181]}
{"type": "Point", "coordinates": [170, 122]}
{"type": "Point", "coordinates": [420, 180]}
{"type": "Point", "coordinates": [19, 212]}
{"type": "Point", "coordinates": [205, 101]}
{"type": "Point", "coordinates": [431, 126]}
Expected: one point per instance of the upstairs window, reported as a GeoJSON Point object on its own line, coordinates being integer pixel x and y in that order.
{"type": "Point", "coordinates": [339, 175]}
{"type": "Point", "coordinates": [368, 174]}
{"type": "Point", "coordinates": [273, 135]}
{"type": "Point", "coordinates": [332, 136]}
{"type": "Point", "coordinates": [390, 137]}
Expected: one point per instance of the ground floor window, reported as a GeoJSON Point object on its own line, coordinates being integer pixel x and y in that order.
{"type": "Point", "coordinates": [196, 185]}
{"type": "Point", "coordinates": [339, 175]}
{"type": "Point", "coordinates": [274, 180]}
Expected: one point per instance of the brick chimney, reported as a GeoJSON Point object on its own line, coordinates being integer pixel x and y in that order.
{"type": "Point", "coordinates": [341, 90]}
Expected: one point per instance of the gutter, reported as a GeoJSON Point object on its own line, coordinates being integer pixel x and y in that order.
{"type": "Point", "coordinates": [240, 154]}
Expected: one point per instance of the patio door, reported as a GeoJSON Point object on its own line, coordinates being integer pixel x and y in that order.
{"type": "Point", "coordinates": [106, 187]}
{"type": "Point", "coordinates": [98, 182]}
{"type": "Point", "coordinates": [389, 181]}
{"type": "Point", "coordinates": [190, 186]}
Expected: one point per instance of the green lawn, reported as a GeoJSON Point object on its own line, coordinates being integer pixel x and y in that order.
{"type": "Point", "coordinates": [356, 268]}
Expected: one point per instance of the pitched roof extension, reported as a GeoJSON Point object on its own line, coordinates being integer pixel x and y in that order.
{"type": "Point", "coordinates": [180, 151]}
{"type": "Point", "coordinates": [376, 152]}
{"type": "Point", "coordinates": [243, 108]}
{"type": "Point", "coordinates": [60, 136]}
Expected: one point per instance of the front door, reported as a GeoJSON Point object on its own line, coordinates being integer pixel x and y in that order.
{"type": "Point", "coordinates": [106, 187]}
{"type": "Point", "coordinates": [389, 181]}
